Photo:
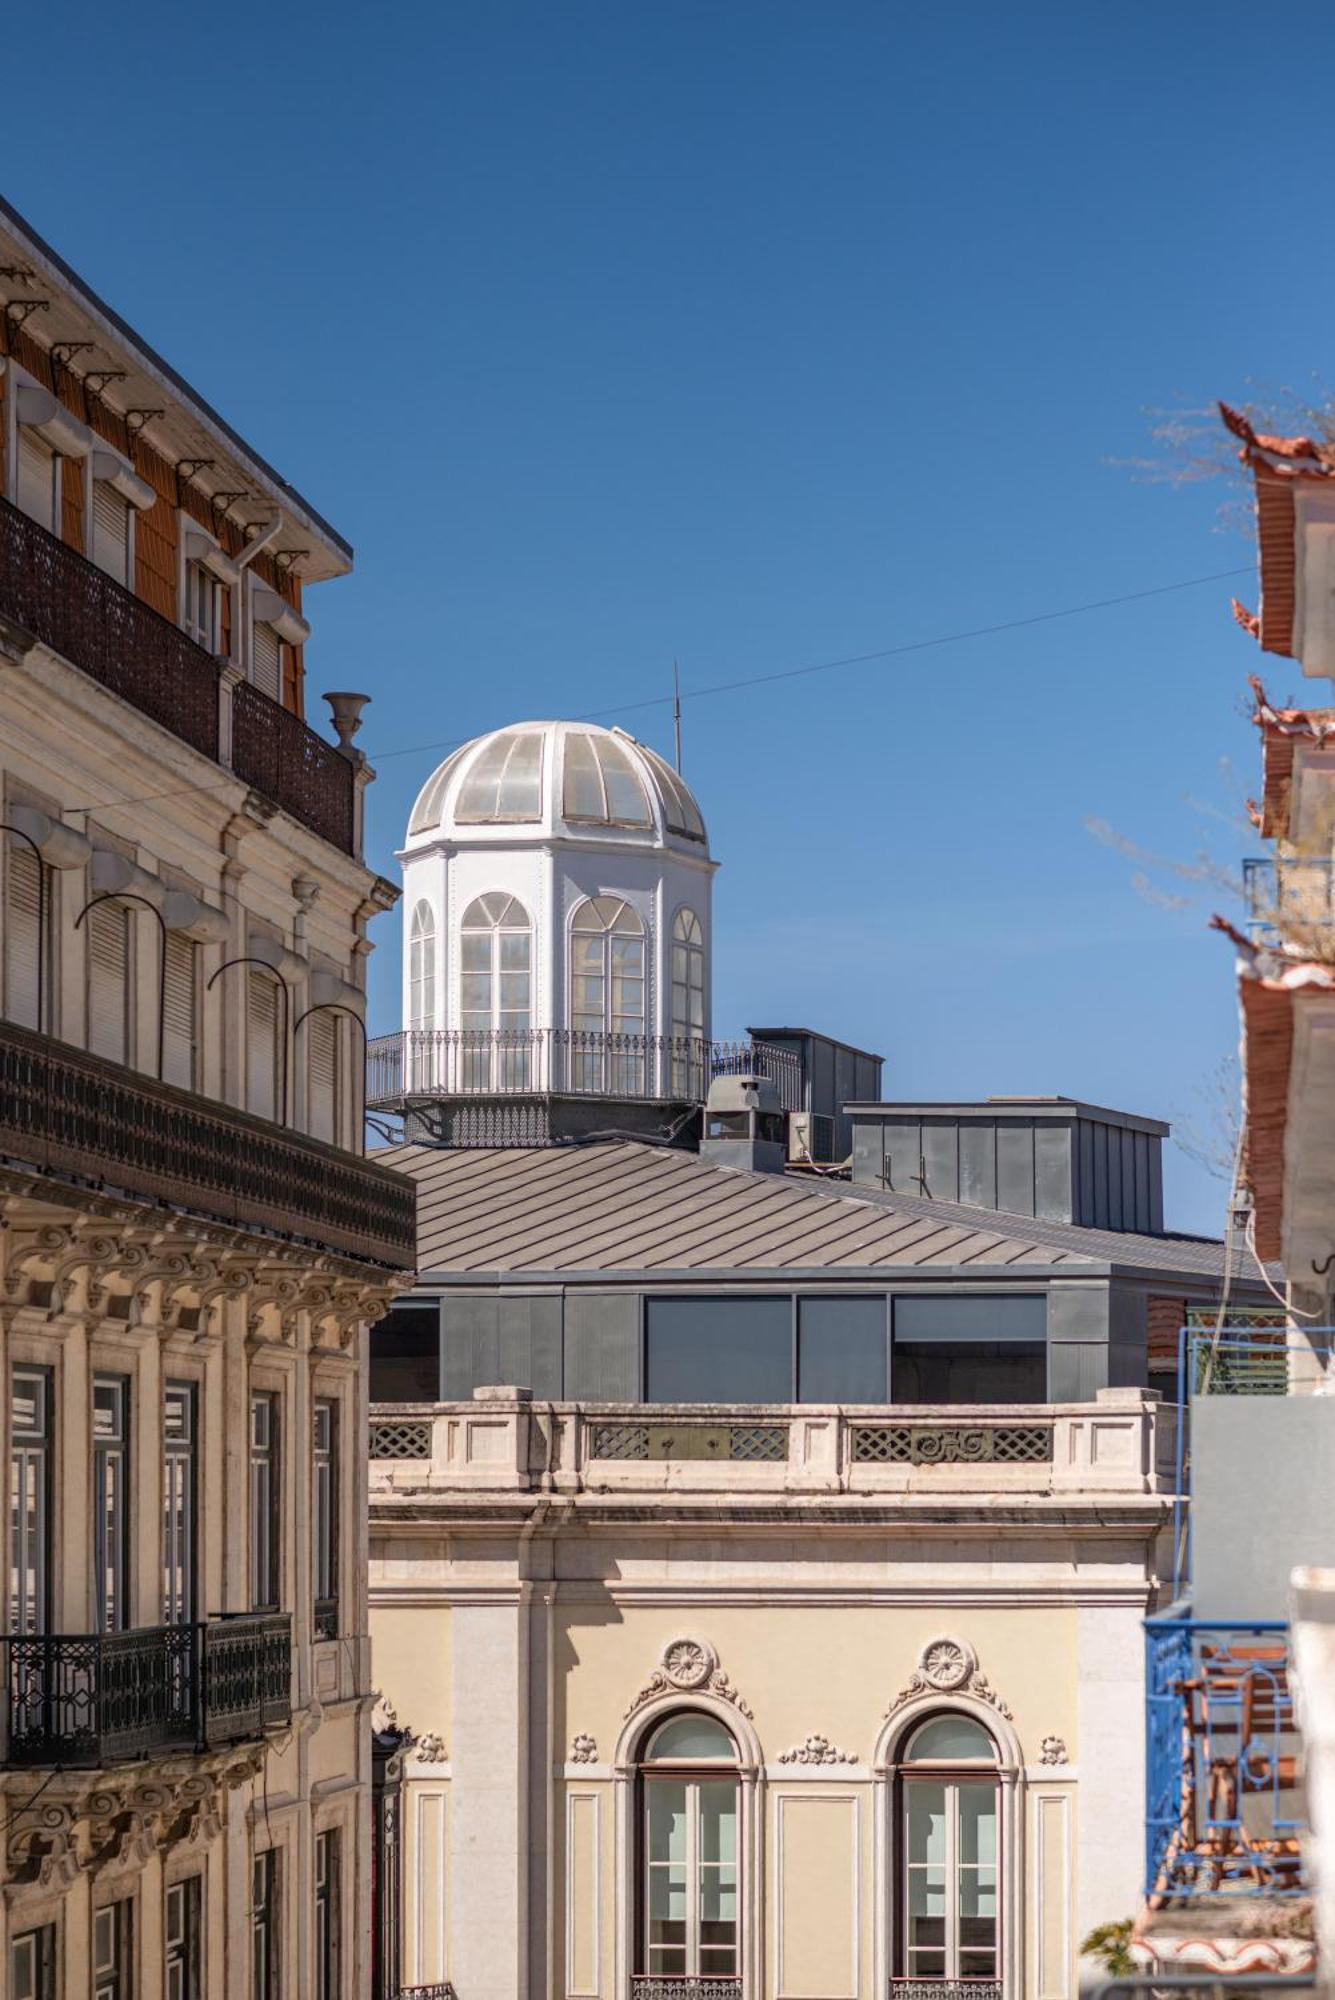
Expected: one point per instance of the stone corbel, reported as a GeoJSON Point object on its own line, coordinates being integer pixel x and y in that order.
{"type": "Point", "coordinates": [26, 1247]}
{"type": "Point", "coordinates": [40, 1845]}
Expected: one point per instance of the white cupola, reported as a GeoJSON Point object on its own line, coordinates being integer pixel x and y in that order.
{"type": "Point", "coordinates": [557, 881]}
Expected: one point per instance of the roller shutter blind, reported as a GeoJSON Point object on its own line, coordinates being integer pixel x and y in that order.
{"type": "Point", "coordinates": [111, 532]}
{"type": "Point", "coordinates": [324, 1076]}
{"type": "Point", "coordinates": [261, 1045]}
{"type": "Point", "coordinates": [36, 491]}
{"type": "Point", "coordinates": [180, 1011]}
{"type": "Point", "coordinates": [108, 981]}
{"type": "Point", "coordinates": [266, 661]}
{"type": "Point", "coordinates": [22, 934]}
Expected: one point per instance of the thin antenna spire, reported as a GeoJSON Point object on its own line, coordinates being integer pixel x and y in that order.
{"type": "Point", "coordinates": [676, 712]}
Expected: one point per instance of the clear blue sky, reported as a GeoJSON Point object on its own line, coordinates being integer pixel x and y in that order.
{"type": "Point", "coordinates": [758, 335]}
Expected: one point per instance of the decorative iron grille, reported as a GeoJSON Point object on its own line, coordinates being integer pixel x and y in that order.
{"type": "Point", "coordinates": [442, 1990]}
{"type": "Point", "coordinates": [277, 753]}
{"type": "Point", "coordinates": [393, 1439]}
{"type": "Point", "coordinates": [72, 1113]}
{"type": "Point", "coordinates": [650, 1986]}
{"type": "Point", "coordinates": [945, 1989]}
{"type": "Point", "coordinates": [951, 1444]}
{"type": "Point", "coordinates": [247, 1675]}
{"type": "Point", "coordinates": [106, 631]}
{"type": "Point", "coordinates": [737, 1443]}
{"type": "Point", "coordinates": [1222, 1804]}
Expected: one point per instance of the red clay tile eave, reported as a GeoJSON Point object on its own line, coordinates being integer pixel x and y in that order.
{"type": "Point", "coordinates": [1267, 1028]}
{"type": "Point", "coordinates": [1282, 729]}
{"type": "Point", "coordinates": [1276, 555]}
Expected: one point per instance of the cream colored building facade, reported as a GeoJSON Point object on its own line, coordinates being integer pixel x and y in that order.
{"type": "Point", "coordinates": [191, 1244]}
{"type": "Point", "coordinates": [818, 1588]}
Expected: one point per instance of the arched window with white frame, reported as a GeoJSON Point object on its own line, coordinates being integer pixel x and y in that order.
{"type": "Point", "coordinates": [688, 1914]}
{"type": "Point", "coordinates": [688, 1002]}
{"type": "Point", "coordinates": [496, 993]}
{"type": "Point", "coordinates": [949, 1857]}
{"type": "Point", "coordinates": [607, 998]}
{"type": "Point", "coordinates": [422, 967]}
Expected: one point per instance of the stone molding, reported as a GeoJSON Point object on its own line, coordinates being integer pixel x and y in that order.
{"type": "Point", "coordinates": [949, 1666]}
{"type": "Point", "coordinates": [689, 1666]}
{"type": "Point", "coordinates": [816, 1750]}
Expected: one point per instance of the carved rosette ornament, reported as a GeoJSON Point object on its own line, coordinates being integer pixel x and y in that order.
{"type": "Point", "coordinates": [816, 1750]}
{"type": "Point", "coordinates": [689, 1666]}
{"type": "Point", "coordinates": [949, 1666]}
{"type": "Point", "coordinates": [584, 1750]}
{"type": "Point", "coordinates": [1053, 1751]}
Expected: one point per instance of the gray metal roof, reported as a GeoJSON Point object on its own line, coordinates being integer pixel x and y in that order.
{"type": "Point", "coordinates": [621, 1206]}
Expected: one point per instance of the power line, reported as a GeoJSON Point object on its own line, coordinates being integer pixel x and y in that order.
{"type": "Point", "coordinates": [753, 680]}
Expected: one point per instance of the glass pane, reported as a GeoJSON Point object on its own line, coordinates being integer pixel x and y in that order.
{"type": "Point", "coordinates": [718, 1961]}
{"type": "Point", "coordinates": [927, 1964]}
{"type": "Point", "coordinates": [475, 993]}
{"type": "Point", "coordinates": [978, 1823]}
{"type": "Point", "coordinates": [475, 951]}
{"type": "Point", "coordinates": [625, 794]}
{"type": "Point", "coordinates": [665, 1800]}
{"type": "Point", "coordinates": [949, 1739]}
{"type": "Point", "coordinates": [927, 1903]}
{"type": "Point", "coordinates": [842, 1347]}
{"type": "Point", "coordinates": [587, 952]}
{"type": "Point", "coordinates": [514, 992]}
{"type": "Point", "coordinates": [718, 1821]}
{"type": "Point", "coordinates": [514, 951]}
{"type": "Point", "coordinates": [582, 794]}
{"type": "Point", "coordinates": [667, 1900]}
{"type": "Point", "coordinates": [978, 1964]}
{"type": "Point", "coordinates": [978, 1900]}
{"type": "Point", "coordinates": [628, 955]}
{"type": "Point", "coordinates": [718, 1350]}
{"type": "Point", "coordinates": [689, 1737]}
{"type": "Point", "coordinates": [927, 1822]}
{"type": "Point", "coordinates": [718, 1903]}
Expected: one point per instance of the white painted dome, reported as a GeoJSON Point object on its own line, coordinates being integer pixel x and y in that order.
{"type": "Point", "coordinates": [567, 779]}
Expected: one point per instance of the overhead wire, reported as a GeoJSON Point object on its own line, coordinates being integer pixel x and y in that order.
{"type": "Point", "coordinates": [753, 680]}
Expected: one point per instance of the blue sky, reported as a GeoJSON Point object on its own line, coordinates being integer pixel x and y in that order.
{"type": "Point", "coordinates": [758, 336]}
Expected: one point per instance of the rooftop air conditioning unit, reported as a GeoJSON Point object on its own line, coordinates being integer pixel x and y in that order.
{"type": "Point", "coordinates": [811, 1137]}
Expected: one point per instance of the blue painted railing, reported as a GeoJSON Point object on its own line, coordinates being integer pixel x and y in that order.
{"type": "Point", "coordinates": [1221, 1761]}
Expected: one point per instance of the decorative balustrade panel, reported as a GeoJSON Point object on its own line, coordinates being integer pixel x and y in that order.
{"type": "Point", "coordinates": [247, 1675]}
{"type": "Point", "coordinates": [275, 751]}
{"type": "Point", "coordinates": [945, 1989]}
{"type": "Point", "coordinates": [70, 1112]}
{"type": "Point", "coordinates": [737, 1443]}
{"type": "Point", "coordinates": [394, 1439]}
{"type": "Point", "coordinates": [951, 1444]}
{"type": "Point", "coordinates": [1222, 1805]}
{"type": "Point", "coordinates": [461, 1062]}
{"type": "Point", "coordinates": [106, 631]}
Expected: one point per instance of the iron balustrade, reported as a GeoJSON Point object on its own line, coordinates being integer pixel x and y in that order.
{"type": "Point", "coordinates": [103, 629]}
{"type": "Point", "coordinates": [427, 1063]}
{"type": "Point", "coordinates": [71, 1113]}
{"type": "Point", "coordinates": [684, 1986]}
{"type": "Point", "coordinates": [1222, 1810]}
{"type": "Point", "coordinates": [86, 1700]}
{"type": "Point", "coordinates": [945, 1989]}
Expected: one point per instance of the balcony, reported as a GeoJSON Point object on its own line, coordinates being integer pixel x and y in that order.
{"type": "Point", "coordinates": [79, 1117]}
{"type": "Point", "coordinates": [683, 1986]}
{"type": "Point", "coordinates": [945, 1989]}
{"type": "Point", "coordinates": [94, 1699]}
{"type": "Point", "coordinates": [608, 1450]}
{"type": "Point", "coordinates": [115, 638]}
{"type": "Point", "coordinates": [420, 1064]}
{"type": "Point", "coordinates": [1223, 1811]}
{"type": "Point", "coordinates": [1288, 896]}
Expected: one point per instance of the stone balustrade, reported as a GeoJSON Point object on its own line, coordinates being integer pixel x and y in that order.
{"type": "Point", "coordinates": [505, 1439]}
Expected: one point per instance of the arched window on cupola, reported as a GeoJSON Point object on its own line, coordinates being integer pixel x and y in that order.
{"type": "Point", "coordinates": [422, 967]}
{"type": "Point", "coordinates": [688, 1003]}
{"type": "Point", "coordinates": [496, 993]}
{"type": "Point", "coordinates": [607, 1012]}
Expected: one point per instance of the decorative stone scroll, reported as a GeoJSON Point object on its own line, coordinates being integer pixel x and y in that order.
{"type": "Point", "coordinates": [816, 1750]}
{"type": "Point", "coordinates": [689, 1666]}
{"type": "Point", "coordinates": [949, 1666]}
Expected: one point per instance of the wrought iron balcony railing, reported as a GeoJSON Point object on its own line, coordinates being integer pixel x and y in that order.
{"type": "Point", "coordinates": [1222, 1810]}
{"type": "Point", "coordinates": [945, 1989]}
{"type": "Point", "coordinates": [74, 1114]}
{"type": "Point", "coordinates": [112, 636]}
{"type": "Point", "coordinates": [683, 1986]}
{"type": "Point", "coordinates": [465, 1062]}
{"type": "Point", "coordinates": [89, 1699]}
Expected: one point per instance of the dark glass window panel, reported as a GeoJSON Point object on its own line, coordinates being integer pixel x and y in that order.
{"type": "Point", "coordinates": [970, 1372]}
{"type": "Point", "coordinates": [841, 1350]}
{"type": "Point", "coordinates": [405, 1355]}
{"type": "Point", "coordinates": [719, 1351]}
{"type": "Point", "coordinates": [957, 1316]}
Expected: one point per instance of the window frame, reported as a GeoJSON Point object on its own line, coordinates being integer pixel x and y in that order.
{"type": "Point", "coordinates": [423, 937]}
{"type": "Point", "coordinates": [113, 1979]}
{"type": "Point", "coordinates": [266, 1923]}
{"type": "Point", "coordinates": [113, 1506]}
{"type": "Point", "coordinates": [692, 1773]}
{"type": "Point", "coordinates": [183, 1955]}
{"type": "Point", "coordinates": [43, 1939]}
{"type": "Point", "coordinates": [44, 963]}
{"type": "Point", "coordinates": [266, 1511]}
{"type": "Point", "coordinates": [36, 1447]}
{"type": "Point", "coordinates": [325, 1523]}
{"type": "Point", "coordinates": [327, 1896]}
{"type": "Point", "coordinates": [181, 1609]}
{"type": "Point", "coordinates": [127, 581]}
{"type": "Point", "coordinates": [950, 1774]}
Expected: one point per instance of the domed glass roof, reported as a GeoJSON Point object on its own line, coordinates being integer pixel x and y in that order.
{"type": "Point", "coordinates": [554, 776]}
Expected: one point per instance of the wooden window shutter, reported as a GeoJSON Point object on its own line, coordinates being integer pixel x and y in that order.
{"type": "Point", "coordinates": [36, 479]}
{"type": "Point", "coordinates": [111, 532]}
{"type": "Point", "coordinates": [23, 940]}
{"type": "Point", "coordinates": [108, 927]}
{"type": "Point", "coordinates": [180, 1011]}
{"type": "Point", "coordinates": [71, 503]}
{"type": "Point", "coordinates": [262, 1068]}
{"type": "Point", "coordinates": [265, 663]}
{"type": "Point", "coordinates": [324, 1076]}
{"type": "Point", "coordinates": [225, 623]}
